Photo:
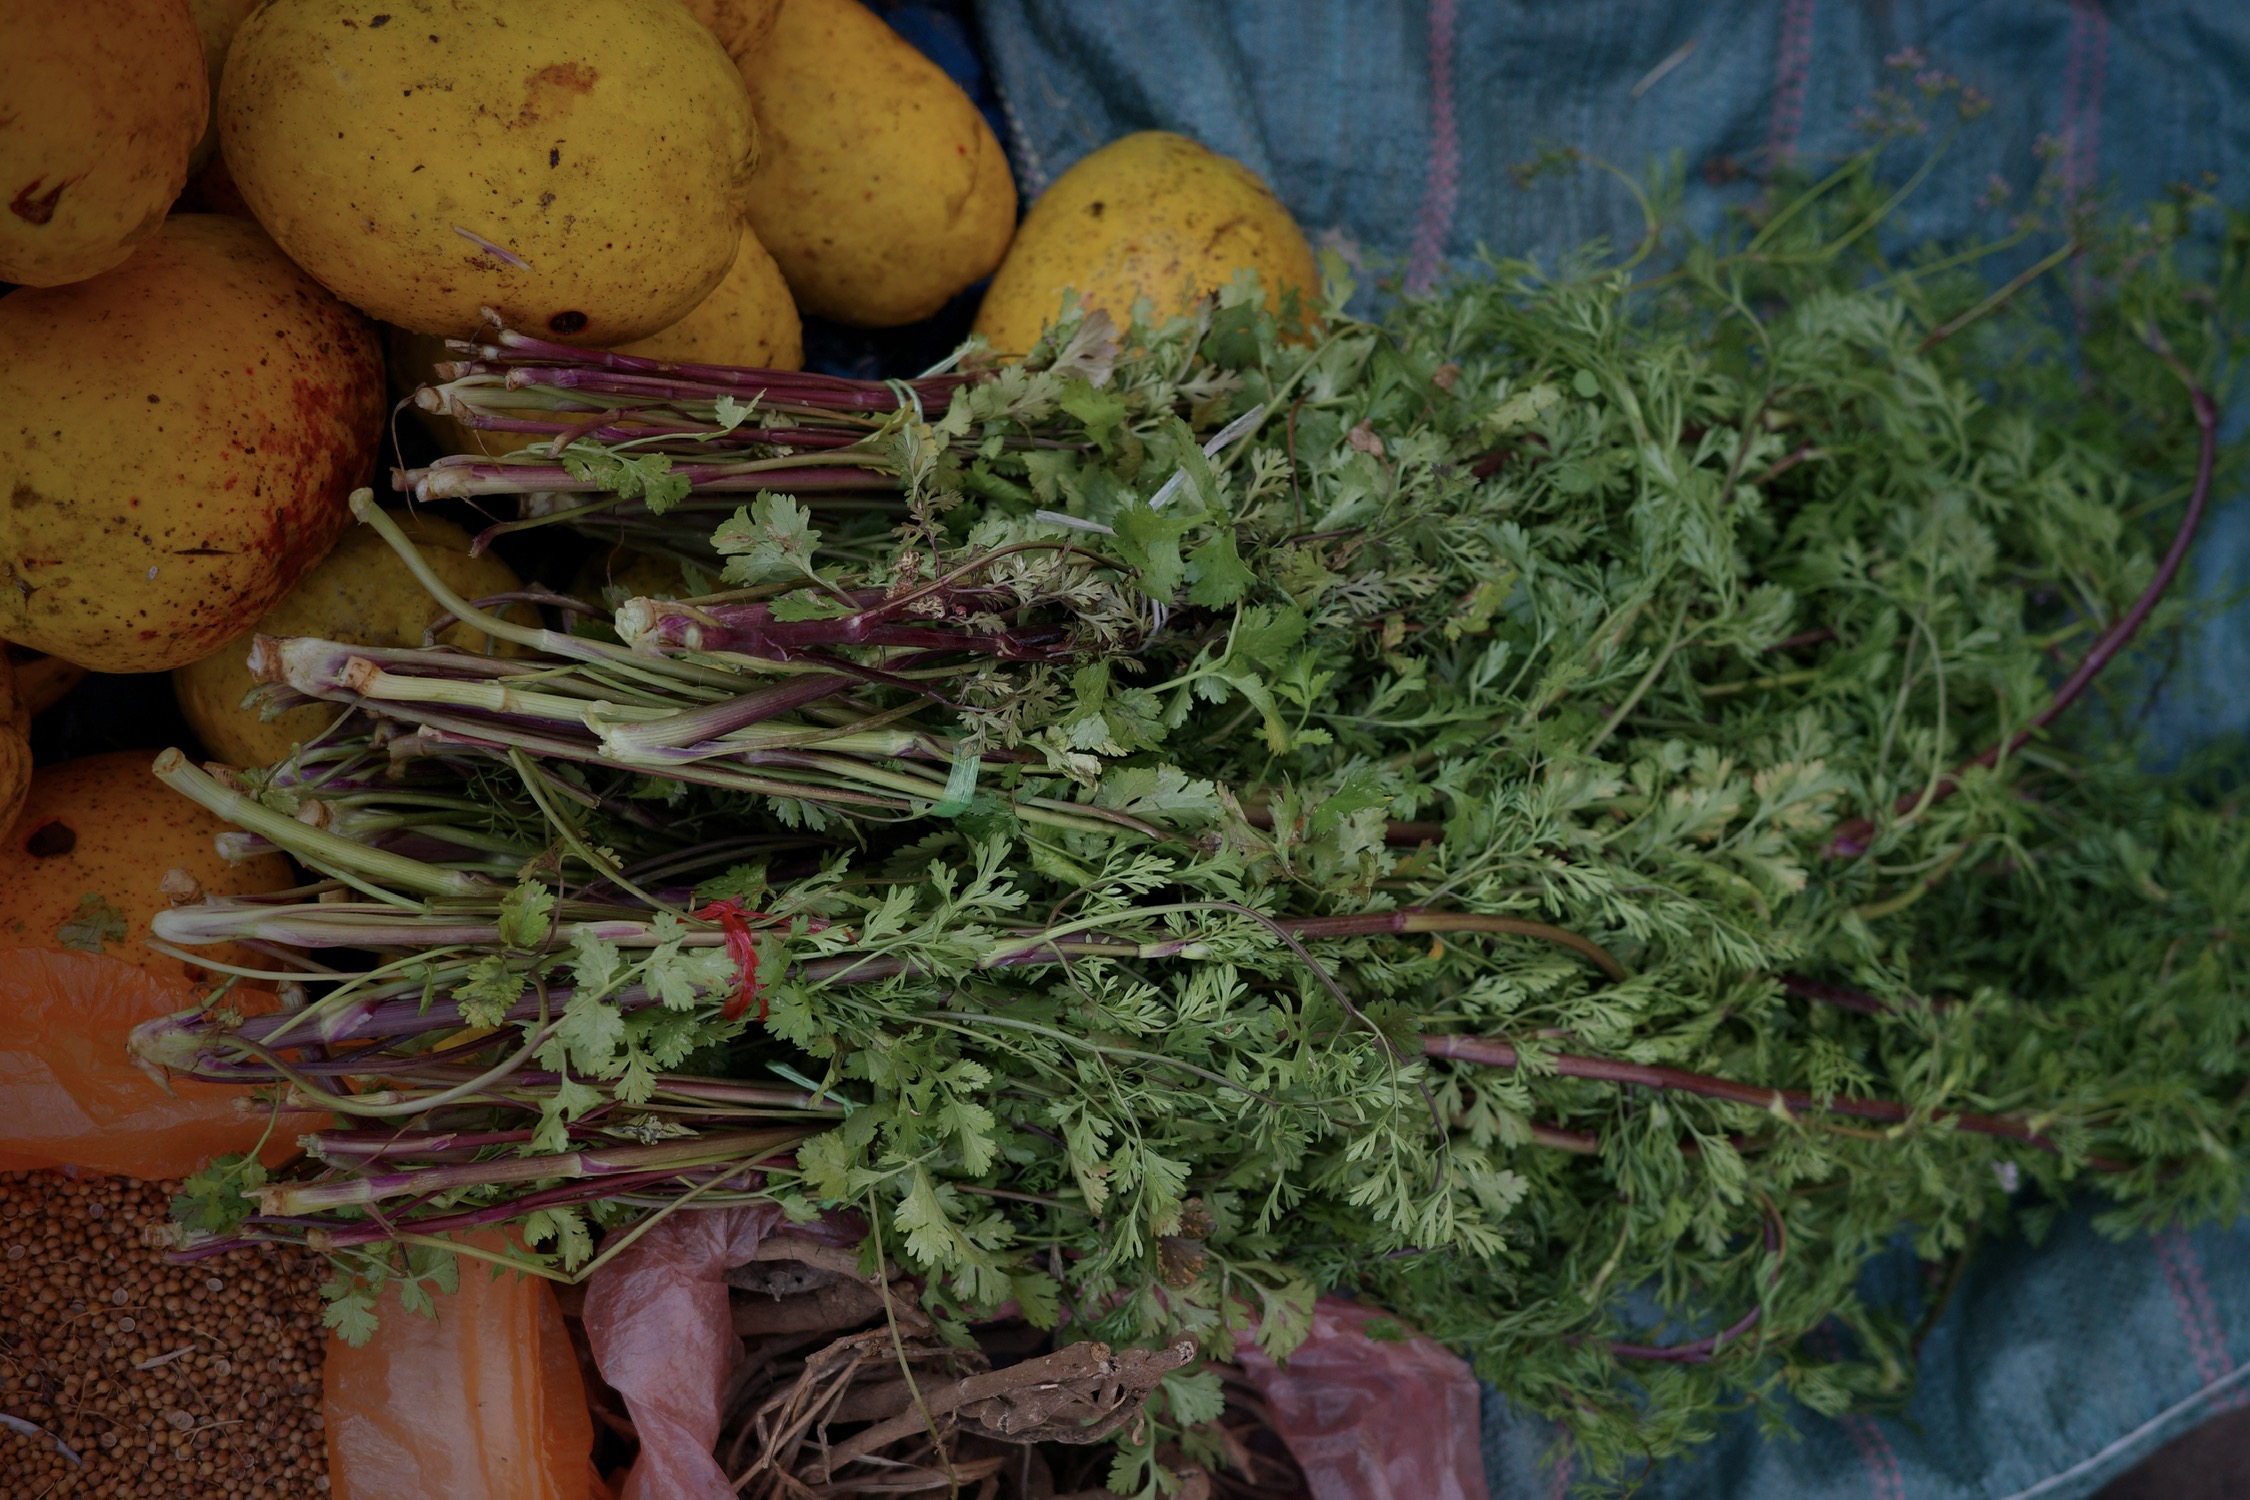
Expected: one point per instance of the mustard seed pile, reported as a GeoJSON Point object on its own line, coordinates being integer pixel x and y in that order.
{"type": "Point", "coordinates": [179, 1382]}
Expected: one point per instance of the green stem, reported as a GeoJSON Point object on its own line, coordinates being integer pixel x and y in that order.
{"type": "Point", "coordinates": [315, 844]}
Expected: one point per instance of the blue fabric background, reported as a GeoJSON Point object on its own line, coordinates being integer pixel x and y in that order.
{"type": "Point", "coordinates": [1390, 125]}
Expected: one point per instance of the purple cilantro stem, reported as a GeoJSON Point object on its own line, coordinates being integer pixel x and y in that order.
{"type": "Point", "coordinates": [1857, 836]}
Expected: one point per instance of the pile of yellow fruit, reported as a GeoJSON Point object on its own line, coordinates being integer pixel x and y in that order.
{"type": "Point", "coordinates": [238, 230]}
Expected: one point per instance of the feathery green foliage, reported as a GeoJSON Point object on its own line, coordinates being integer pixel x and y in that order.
{"type": "Point", "coordinates": [1584, 670]}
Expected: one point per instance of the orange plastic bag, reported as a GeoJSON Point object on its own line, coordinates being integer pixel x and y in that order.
{"type": "Point", "coordinates": [483, 1402]}
{"type": "Point", "coordinates": [70, 1094]}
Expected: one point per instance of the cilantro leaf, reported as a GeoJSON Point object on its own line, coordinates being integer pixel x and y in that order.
{"type": "Point", "coordinates": [1195, 1398]}
{"type": "Point", "coordinates": [1038, 1297]}
{"type": "Point", "coordinates": [216, 1199]}
{"type": "Point", "coordinates": [1149, 541]}
{"type": "Point", "coordinates": [1216, 573]}
{"type": "Point", "coordinates": [352, 1316]}
{"type": "Point", "coordinates": [773, 537]}
{"type": "Point", "coordinates": [523, 915]}
{"type": "Point", "coordinates": [94, 922]}
{"type": "Point", "coordinates": [492, 987]}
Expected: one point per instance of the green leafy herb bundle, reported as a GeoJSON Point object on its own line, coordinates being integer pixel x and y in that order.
{"type": "Point", "coordinates": [1580, 812]}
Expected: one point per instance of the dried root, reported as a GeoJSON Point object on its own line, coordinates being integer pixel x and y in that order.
{"type": "Point", "coordinates": [825, 1405]}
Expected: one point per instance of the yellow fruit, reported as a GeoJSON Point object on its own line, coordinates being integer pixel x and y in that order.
{"type": "Point", "coordinates": [1153, 215]}
{"type": "Point", "coordinates": [100, 103]}
{"type": "Point", "coordinates": [749, 320]}
{"type": "Point", "coordinates": [177, 439]}
{"type": "Point", "coordinates": [216, 22]}
{"type": "Point", "coordinates": [84, 864]}
{"type": "Point", "coordinates": [15, 712]}
{"type": "Point", "coordinates": [880, 189]}
{"type": "Point", "coordinates": [40, 680]}
{"type": "Point", "coordinates": [361, 593]}
{"type": "Point", "coordinates": [742, 26]}
{"type": "Point", "coordinates": [617, 574]}
{"type": "Point", "coordinates": [579, 167]}
{"type": "Point", "coordinates": [413, 359]}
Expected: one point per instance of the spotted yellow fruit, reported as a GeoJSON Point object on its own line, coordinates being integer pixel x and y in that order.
{"type": "Point", "coordinates": [579, 167]}
{"type": "Point", "coordinates": [749, 320]}
{"type": "Point", "coordinates": [178, 437]}
{"type": "Point", "coordinates": [362, 593]}
{"type": "Point", "coordinates": [40, 681]}
{"type": "Point", "coordinates": [880, 189]}
{"type": "Point", "coordinates": [742, 26]}
{"type": "Point", "coordinates": [101, 102]}
{"type": "Point", "coordinates": [216, 22]}
{"type": "Point", "coordinates": [1153, 215]}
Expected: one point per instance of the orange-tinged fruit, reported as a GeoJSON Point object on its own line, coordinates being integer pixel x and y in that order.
{"type": "Point", "coordinates": [101, 102]}
{"type": "Point", "coordinates": [1153, 215]}
{"type": "Point", "coordinates": [177, 440]}
{"type": "Point", "coordinates": [100, 847]}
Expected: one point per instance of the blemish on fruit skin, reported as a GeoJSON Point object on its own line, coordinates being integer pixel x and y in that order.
{"type": "Point", "coordinates": [541, 87]}
{"type": "Point", "coordinates": [35, 207]}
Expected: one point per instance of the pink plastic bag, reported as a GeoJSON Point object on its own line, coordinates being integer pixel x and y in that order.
{"type": "Point", "coordinates": [1373, 1419]}
{"type": "Point", "coordinates": [658, 1321]}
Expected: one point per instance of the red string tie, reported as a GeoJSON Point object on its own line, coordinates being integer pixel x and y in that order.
{"type": "Point", "coordinates": [743, 949]}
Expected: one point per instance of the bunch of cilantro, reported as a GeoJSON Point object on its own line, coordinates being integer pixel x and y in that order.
{"type": "Point", "coordinates": [1639, 668]}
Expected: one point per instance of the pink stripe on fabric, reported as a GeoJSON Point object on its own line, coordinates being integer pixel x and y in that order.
{"type": "Point", "coordinates": [1791, 67]}
{"type": "Point", "coordinates": [1884, 1482]}
{"type": "Point", "coordinates": [2199, 1317]}
{"type": "Point", "coordinates": [2083, 77]}
{"type": "Point", "coordinates": [1442, 181]}
{"type": "Point", "coordinates": [1566, 1469]}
